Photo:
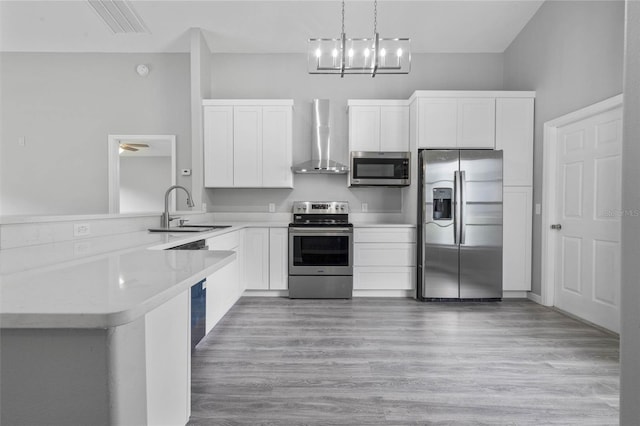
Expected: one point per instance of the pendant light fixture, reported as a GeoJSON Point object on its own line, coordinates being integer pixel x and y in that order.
{"type": "Point", "coordinates": [359, 55]}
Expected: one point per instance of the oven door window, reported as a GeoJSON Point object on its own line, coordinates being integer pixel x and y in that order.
{"type": "Point", "coordinates": [318, 250]}
{"type": "Point", "coordinates": [370, 168]}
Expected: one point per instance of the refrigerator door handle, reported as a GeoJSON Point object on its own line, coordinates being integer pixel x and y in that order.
{"type": "Point", "coordinates": [463, 206]}
{"type": "Point", "coordinates": [457, 211]}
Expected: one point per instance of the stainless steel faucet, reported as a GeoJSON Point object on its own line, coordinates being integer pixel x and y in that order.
{"type": "Point", "coordinates": [165, 218]}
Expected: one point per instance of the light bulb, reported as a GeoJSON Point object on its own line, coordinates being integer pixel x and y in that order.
{"type": "Point", "coordinates": [351, 53]}
{"type": "Point", "coordinates": [383, 52]}
{"type": "Point", "coordinates": [318, 53]}
{"type": "Point", "coordinates": [334, 53]}
{"type": "Point", "coordinates": [399, 52]}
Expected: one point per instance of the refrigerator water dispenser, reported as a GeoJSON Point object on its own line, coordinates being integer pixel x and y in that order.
{"type": "Point", "coordinates": [442, 203]}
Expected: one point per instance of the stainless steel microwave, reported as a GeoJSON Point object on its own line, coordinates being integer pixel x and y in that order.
{"type": "Point", "coordinates": [373, 168]}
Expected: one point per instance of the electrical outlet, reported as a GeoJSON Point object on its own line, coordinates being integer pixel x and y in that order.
{"type": "Point", "coordinates": [272, 207]}
{"type": "Point", "coordinates": [81, 229]}
{"type": "Point", "coordinates": [538, 208]}
{"type": "Point", "coordinates": [365, 207]}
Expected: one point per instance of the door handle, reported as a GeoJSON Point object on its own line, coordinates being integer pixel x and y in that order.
{"type": "Point", "coordinates": [456, 207]}
{"type": "Point", "coordinates": [463, 206]}
{"type": "Point", "coordinates": [556, 227]}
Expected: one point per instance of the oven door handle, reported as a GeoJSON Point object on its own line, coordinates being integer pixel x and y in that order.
{"type": "Point", "coordinates": [321, 231]}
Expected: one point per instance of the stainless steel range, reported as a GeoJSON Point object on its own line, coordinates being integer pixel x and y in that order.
{"type": "Point", "coordinates": [320, 251]}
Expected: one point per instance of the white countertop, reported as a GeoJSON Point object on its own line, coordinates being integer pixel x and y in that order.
{"type": "Point", "coordinates": [101, 282]}
{"type": "Point", "coordinates": [106, 281]}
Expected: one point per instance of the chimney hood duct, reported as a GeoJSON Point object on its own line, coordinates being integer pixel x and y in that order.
{"type": "Point", "coordinates": [321, 144]}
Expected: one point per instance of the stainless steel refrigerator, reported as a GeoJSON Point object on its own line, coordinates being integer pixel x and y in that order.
{"type": "Point", "coordinates": [460, 224]}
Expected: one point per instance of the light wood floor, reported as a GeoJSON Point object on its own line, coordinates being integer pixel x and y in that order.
{"type": "Point", "coordinates": [275, 361]}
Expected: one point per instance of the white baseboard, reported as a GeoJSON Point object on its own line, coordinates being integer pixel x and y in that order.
{"type": "Point", "coordinates": [266, 293]}
{"type": "Point", "coordinates": [384, 293]}
{"type": "Point", "coordinates": [535, 298]}
{"type": "Point", "coordinates": [510, 294]}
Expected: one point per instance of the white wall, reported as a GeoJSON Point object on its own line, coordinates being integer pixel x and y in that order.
{"type": "Point", "coordinates": [65, 105]}
{"type": "Point", "coordinates": [143, 182]}
{"type": "Point", "coordinates": [630, 335]}
{"type": "Point", "coordinates": [571, 54]}
{"type": "Point", "coordinates": [285, 76]}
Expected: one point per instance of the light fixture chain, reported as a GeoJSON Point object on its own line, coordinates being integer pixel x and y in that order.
{"type": "Point", "coordinates": [375, 16]}
{"type": "Point", "coordinates": [342, 17]}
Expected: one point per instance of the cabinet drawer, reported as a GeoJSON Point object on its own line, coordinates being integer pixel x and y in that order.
{"type": "Point", "coordinates": [384, 278]}
{"type": "Point", "coordinates": [386, 254]}
{"type": "Point", "coordinates": [384, 235]}
{"type": "Point", "coordinates": [224, 242]}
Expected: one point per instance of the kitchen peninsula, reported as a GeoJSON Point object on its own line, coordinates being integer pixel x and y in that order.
{"type": "Point", "coordinates": [96, 331]}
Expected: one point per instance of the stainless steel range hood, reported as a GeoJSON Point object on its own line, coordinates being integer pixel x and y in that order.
{"type": "Point", "coordinates": [321, 161]}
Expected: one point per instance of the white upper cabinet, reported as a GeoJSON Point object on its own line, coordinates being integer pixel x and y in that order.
{"type": "Point", "coordinates": [218, 146]}
{"type": "Point", "coordinates": [438, 123]}
{"type": "Point", "coordinates": [456, 122]}
{"type": "Point", "coordinates": [248, 143]}
{"type": "Point", "coordinates": [394, 128]}
{"type": "Point", "coordinates": [247, 146]}
{"type": "Point", "coordinates": [514, 135]}
{"type": "Point", "coordinates": [277, 147]}
{"type": "Point", "coordinates": [378, 125]}
{"type": "Point", "coordinates": [476, 123]}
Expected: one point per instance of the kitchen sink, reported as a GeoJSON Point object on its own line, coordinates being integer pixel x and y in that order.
{"type": "Point", "coordinates": [190, 228]}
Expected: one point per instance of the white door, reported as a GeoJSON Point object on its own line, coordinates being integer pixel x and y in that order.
{"type": "Point", "coordinates": [587, 273]}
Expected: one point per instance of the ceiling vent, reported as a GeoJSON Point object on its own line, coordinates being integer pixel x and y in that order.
{"type": "Point", "coordinates": [119, 15]}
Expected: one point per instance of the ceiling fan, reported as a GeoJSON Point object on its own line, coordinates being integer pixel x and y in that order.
{"type": "Point", "coordinates": [133, 146]}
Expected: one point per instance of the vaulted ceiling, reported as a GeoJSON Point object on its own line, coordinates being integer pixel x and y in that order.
{"type": "Point", "coordinates": [263, 26]}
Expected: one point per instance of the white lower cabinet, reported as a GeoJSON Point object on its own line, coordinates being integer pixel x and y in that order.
{"type": "Point", "coordinates": [226, 285]}
{"type": "Point", "coordinates": [384, 277]}
{"type": "Point", "coordinates": [267, 251]}
{"type": "Point", "coordinates": [278, 258]}
{"type": "Point", "coordinates": [516, 240]}
{"type": "Point", "coordinates": [256, 274]}
{"type": "Point", "coordinates": [384, 258]}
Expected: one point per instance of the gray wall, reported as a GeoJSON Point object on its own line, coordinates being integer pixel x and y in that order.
{"type": "Point", "coordinates": [285, 76]}
{"type": "Point", "coordinates": [571, 54]}
{"type": "Point", "coordinates": [65, 105]}
{"type": "Point", "coordinates": [630, 335]}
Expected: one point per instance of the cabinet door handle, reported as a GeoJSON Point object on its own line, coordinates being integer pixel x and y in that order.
{"type": "Point", "coordinates": [557, 227]}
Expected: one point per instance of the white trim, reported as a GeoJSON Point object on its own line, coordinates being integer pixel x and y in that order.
{"type": "Point", "coordinates": [514, 294]}
{"type": "Point", "coordinates": [377, 102]}
{"type": "Point", "coordinates": [247, 102]}
{"type": "Point", "coordinates": [385, 293]}
{"type": "Point", "coordinates": [266, 293]}
{"type": "Point", "coordinates": [549, 185]}
{"type": "Point", "coordinates": [471, 94]}
{"type": "Point", "coordinates": [113, 145]}
{"type": "Point", "coordinates": [534, 298]}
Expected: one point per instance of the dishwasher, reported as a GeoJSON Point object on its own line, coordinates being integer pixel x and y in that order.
{"type": "Point", "coordinates": [198, 297]}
